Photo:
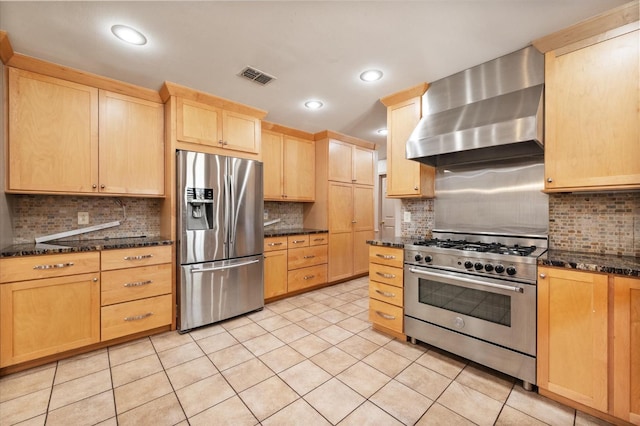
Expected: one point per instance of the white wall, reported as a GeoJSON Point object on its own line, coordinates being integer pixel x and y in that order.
{"type": "Point", "coordinates": [6, 232]}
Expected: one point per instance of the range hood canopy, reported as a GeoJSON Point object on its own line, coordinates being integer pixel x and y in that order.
{"type": "Point", "coordinates": [489, 112]}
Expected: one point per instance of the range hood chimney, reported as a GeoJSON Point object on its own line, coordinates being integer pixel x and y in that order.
{"type": "Point", "coordinates": [490, 112]}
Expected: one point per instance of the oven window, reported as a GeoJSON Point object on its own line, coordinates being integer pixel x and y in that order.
{"type": "Point", "coordinates": [476, 303]}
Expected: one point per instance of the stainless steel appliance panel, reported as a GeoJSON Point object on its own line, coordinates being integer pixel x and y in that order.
{"type": "Point", "coordinates": [497, 311]}
{"type": "Point", "coordinates": [202, 196]}
{"type": "Point", "coordinates": [214, 291]}
{"type": "Point", "coordinates": [246, 206]}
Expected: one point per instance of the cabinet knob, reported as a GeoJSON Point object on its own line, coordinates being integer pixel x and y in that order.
{"type": "Point", "coordinates": [549, 180]}
{"type": "Point", "coordinates": [95, 280]}
{"type": "Point", "coordinates": [220, 142]}
{"type": "Point", "coordinates": [94, 186]}
{"type": "Point", "coordinates": [354, 221]}
{"type": "Point", "coordinates": [102, 186]}
{"type": "Point", "coordinates": [415, 188]}
{"type": "Point", "coordinates": [543, 276]}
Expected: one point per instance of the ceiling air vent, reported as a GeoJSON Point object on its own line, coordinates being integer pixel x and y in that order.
{"type": "Point", "coordinates": [256, 75]}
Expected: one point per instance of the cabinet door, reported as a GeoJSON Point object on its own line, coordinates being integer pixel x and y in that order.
{"type": "Point", "coordinates": [592, 116]}
{"type": "Point", "coordinates": [275, 273]}
{"type": "Point", "coordinates": [364, 166]}
{"type": "Point", "coordinates": [405, 178]}
{"type": "Point", "coordinates": [299, 169]}
{"type": "Point", "coordinates": [44, 317]}
{"type": "Point", "coordinates": [53, 134]}
{"type": "Point", "coordinates": [340, 161]}
{"type": "Point", "coordinates": [340, 207]}
{"type": "Point", "coordinates": [340, 256]}
{"type": "Point", "coordinates": [363, 208]}
{"type": "Point", "coordinates": [198, 123]}
{"type": "Point", "coordinates": [626, 342]}
{"type": "Point", "coordinates": [361, 251]}
{"type": "Point", "coordinates": [572, 335]}
{"type": "Point", "coordinates": [131, 145]}
{"type": "Point", "coordinates": [240, 132]}
{"type": "Point", "coordinates": [272, 155]}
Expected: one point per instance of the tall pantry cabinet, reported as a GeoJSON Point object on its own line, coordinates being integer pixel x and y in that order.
{"type": "Point", "coordinates": [345, 176]}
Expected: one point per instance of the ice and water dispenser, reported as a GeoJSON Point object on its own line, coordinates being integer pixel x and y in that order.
{"type": "Point", "coordinates": [200, 209]}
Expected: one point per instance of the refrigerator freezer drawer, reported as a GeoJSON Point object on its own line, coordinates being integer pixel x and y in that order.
{"type": "Point", "coordinates": [215, 291]}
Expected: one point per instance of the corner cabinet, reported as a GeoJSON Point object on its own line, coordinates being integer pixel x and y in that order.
{"type": "Point", "coordinates": [405, 178]}
{"type": "Point", "coordinates": [289, 164]}
{"type": "Point", "coordinates": [69, 138]}
{"type": "Point", "coordinates": [49, 304]}
{"type": "Point", "coordinates": [345, 171]}
{"type": "Point", "coordinates": [592, 116]}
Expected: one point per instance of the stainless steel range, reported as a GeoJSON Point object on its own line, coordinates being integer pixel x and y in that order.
{"type": "Point", "coordinates": [474, 295]}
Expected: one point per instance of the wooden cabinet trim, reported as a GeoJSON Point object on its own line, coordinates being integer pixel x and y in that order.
{"type": "Point", "coordinates": [404, 95]}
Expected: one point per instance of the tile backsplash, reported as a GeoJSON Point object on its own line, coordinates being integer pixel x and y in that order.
{"type": "Point", "coordinates": [604, 223]}
{"type": "Point", "coordinates": [290, 214]}
{"type": "Point", "coordinates": [38, 215]}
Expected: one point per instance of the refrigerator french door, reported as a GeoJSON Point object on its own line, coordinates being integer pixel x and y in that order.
{"type": "Point", "coordinates": [220, 238]}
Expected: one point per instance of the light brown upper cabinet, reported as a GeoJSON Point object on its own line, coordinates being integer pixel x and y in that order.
{"type": "Point", "coordinates": [592, 115]}
{"type": "Point", "coordinates": [207, 123]}
{"type": "Point", "coordinates": [405, 178]}
{"type": "Point", "coordinates": [289, 165]}
{"type": "Point", "coordinates": [69, 138]}
{"type": "Point", "coordinates": [351, 163]}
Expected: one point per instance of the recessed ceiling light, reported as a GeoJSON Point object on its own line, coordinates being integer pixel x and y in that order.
{"type": "Point", "coordinates": [128, 34]}
{"type": "Point", "coordinates": [313, 104]}
{"type": "Point", "coordinates": [371, 75]}
{"type": "Point", "coordinates": [382, 132]}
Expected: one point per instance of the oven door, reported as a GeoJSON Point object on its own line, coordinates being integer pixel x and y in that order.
{"type": "Point", "coordinates": [499, 312]}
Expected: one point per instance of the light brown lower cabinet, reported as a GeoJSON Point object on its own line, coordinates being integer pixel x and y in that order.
{"type": "Point", "coordinates": [589, 340]}
{"type": "Point", "coordinates": [386, 289]}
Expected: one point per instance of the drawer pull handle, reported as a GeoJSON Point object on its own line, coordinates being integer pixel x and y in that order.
{"type": "Point", "coordinates": [142, 256]}
{"type": "Point", "coordinates": [298, 241]}
{"type": "Point", "coordinates": [383, 275]}
{"type": "Point", "coordinates": [385, 256]}
{"type": "Point", "coordinates": [274, 244]}
{"type": "Point", "coordinates": [318, 239]}
{"type": "Point", "coordinates": [138, 317]}
{"type": "Point", "coordinates": [138, 284]}
{"type": "Point", "coordinates": [54, 266]}
{"type": "Point", "coordinates": [308, 277]}
{"type": "Point", "coordinates": [311, 256]}
{"type": "Point", "coordinates": [385, 316]}
{"type": "Point", "coordinates": [385, 293]}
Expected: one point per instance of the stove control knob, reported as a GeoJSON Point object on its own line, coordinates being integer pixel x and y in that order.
{"type": "Point", "coordinates": [428, 258]}
{"type": "Point", "coordinates": [478, 266]}
{"type": "Point", "coordinates": [488, 267]}
{"type": "Point", "coordinates": [499, 269]}
{"type": "Point", "coordinates": [418, 258]}
{"type": "Point", "coordinates": [468, 264]}
{"type": "Point", "coordinates": [511, 270]}
{"type": "Point", "coordinates": [458, 322]}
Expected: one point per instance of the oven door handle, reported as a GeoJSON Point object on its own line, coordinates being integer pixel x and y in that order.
{"type": "Point", "coordinates": [468, 280]}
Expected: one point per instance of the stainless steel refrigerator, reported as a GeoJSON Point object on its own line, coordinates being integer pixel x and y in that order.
{"type": "Point", "coordinates": [220, 238]}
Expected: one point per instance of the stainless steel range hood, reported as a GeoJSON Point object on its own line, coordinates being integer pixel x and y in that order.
{"type": "Point", "coordinates": [488, 112]}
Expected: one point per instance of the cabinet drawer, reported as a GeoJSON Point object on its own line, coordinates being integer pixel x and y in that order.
{"type": "Point", "coordinates": [389, 256]}
{"type": "Point", "coordinates": [386, 293]}
{"type": "Point", "coordinates": [386, 274]}
{"type": "Point", "coordinates": [132, 317]}
{"type": "Point", "coordinates": [306, 256]}
{"type": "Point", "coordinates": [275, 243]}
{"type": "Point", "coordinates": [386, 315]}
{"type": "Point", "coordinates": [307, 277]}
{"type": "Point", "coordinates": [141, 256]}
{"type": "Point", "coordinates": [123, 285]}
{"type": "Point", "coordinates": [48, 266]}
{"type": "Point", "coordinates": [295, 241]}
{"type": "Point", "coordinates": [318, 239]}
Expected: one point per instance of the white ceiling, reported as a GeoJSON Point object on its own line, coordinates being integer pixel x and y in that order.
{"type": "Point", "coordinates": [316, 49]}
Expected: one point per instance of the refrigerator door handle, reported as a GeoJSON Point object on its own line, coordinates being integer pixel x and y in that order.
{"type": "Point", "coordinates": [222, 268]}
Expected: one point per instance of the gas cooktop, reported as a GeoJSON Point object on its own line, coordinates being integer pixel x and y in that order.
{"type": "Point", "coordinates": [478, 246]}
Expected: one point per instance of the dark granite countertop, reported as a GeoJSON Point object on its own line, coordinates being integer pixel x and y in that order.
{"type": "Point", "coordinates": [54, 247]}
{"type": "Point", "coordinates": [294, 231]}
{"type": "Point", "coordinates": [606, 263]}
{"type": "Point", "coordinates": [397, 242]}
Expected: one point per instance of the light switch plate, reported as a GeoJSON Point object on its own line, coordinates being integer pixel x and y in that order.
{"type": "Point", "coordinates": [83, 218]}
{"type": "Point", "coordinates": [407, 217]}
{"type": "Point", "coordinates": [265, 215]}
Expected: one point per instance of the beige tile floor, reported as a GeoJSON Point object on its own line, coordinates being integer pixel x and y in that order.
{"type": "Point", "coordinates": [308, 360]}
